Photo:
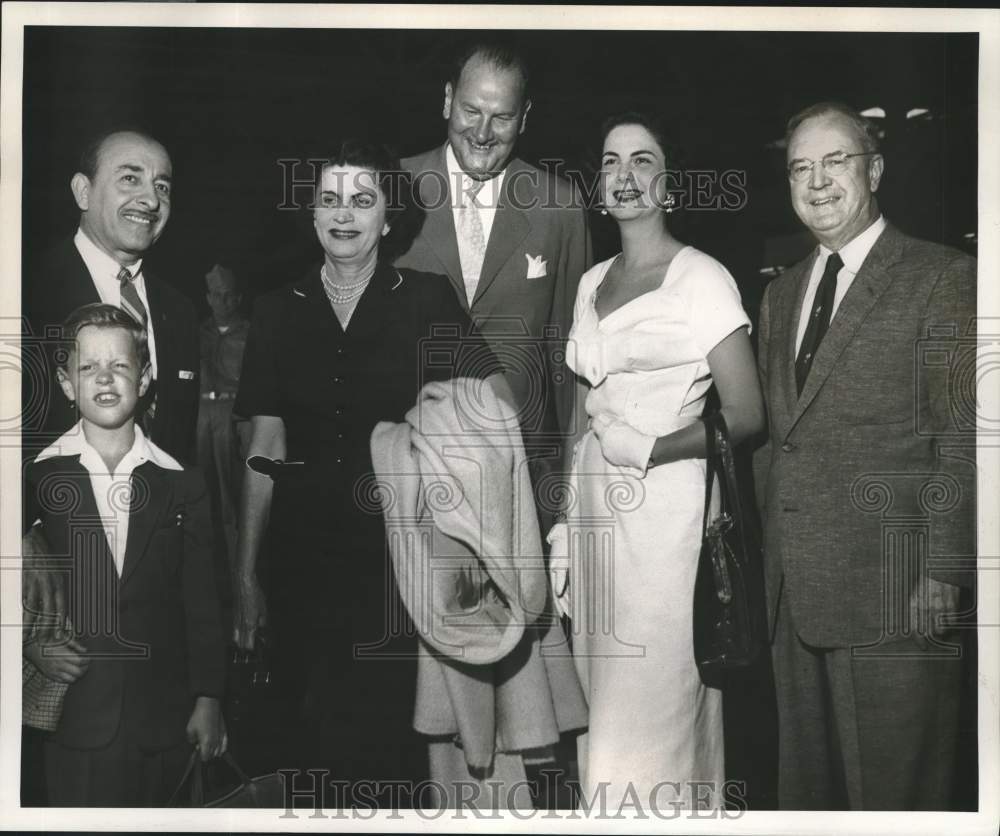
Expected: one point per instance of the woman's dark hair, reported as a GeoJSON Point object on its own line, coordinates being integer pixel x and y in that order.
{"type": "Point", "coordinates": [374, 157]}
{"type": "Point", "coordinates": [393, 182]}
{"type": "Point", "coordinates": [656, 126]}
{"type": "Point", "coordinates": [672, 158]}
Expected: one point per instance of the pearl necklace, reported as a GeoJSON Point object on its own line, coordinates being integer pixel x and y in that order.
{"type": "Point", "coordinates": [343, 294]}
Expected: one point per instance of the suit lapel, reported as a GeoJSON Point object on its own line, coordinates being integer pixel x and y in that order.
{"type": "Point", "coordinates": [509, 229]}
{"type": "Point", "coordinates": [870, 283]}
{"type": "Point", "coordinates": [150, 497]}
{"type": "Point", "coordinates": [439, 224]}
{"type": "Point", "coordinates": [791, 316]}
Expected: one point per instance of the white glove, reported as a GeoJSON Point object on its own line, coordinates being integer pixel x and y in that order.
{"type": "Point", "coordinates": [623, 445]}
{"type": "Point", "coordinates": [558, 540]}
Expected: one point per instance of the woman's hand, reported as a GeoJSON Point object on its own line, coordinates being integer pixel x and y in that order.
{"type": "Point", "coordinates": [249, 613]}
{"type": "Point", "coordinates": [622, 445]}
{"type": "Point", "coordinates": [206, 729]}
{"type": "Point", "coordinates": [558, 540]}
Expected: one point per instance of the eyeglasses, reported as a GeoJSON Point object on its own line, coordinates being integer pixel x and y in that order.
{"type": "Point", "coordinates": [833, 164]}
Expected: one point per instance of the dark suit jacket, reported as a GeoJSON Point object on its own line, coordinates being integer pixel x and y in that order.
{"type": "Point", "coordinates": [154, 636]}
{"type": "Point", "coordinates": [877, 455]}
{"type": "Point", "coordinates": [58, 285]}
{"type": "Point", "coordinates": [525, 320]}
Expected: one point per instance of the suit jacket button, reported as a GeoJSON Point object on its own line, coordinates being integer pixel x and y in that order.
{"type": "Point", "coordinates": [788, 447]}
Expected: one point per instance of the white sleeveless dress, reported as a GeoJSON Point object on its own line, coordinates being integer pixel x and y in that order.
{"type": "Point", "coordinates": [655, 730]}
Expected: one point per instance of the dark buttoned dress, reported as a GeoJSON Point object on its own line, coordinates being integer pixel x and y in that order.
{"type": "Point", "coordinates": [347, 643]}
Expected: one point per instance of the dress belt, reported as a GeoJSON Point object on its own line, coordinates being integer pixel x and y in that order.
{"type": "Point", "coordinates": [218, 396]}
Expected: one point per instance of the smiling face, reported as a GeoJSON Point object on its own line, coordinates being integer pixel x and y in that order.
{"type": "Point", "coordinates": [486, 111]}
{"type": "Point", "coordinates": [103, 376]}
{"type": "Point", "coordinates": [835, 209]}
{"type": "Point", "coordinates": [632, 173]}
{"type": "Point", "coordinates": [125, 207]}
{"type": "Point", "coordinates": [350, 214]}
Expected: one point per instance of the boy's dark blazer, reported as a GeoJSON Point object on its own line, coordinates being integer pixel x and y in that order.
{"type": "Point", "coordinates": [155, 637]}
{"type": "Point", "coordinates": [60, 283]}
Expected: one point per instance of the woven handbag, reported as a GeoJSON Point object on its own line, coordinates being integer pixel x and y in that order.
{"type": "Point", "coordinates": [730, 626]}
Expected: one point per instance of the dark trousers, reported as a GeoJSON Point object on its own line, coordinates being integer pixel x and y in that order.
{"type": "Point", "coordinates": [120, 774]}
{"type": "Point", "coordinates": [864, 732]}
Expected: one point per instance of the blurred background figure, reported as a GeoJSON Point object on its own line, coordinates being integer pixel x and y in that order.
{"type": "Point", "coordinates": [222, 441]}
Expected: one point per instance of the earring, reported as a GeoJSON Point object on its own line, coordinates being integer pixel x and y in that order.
{"type": "Point", "coordinates": [604, 211]}
{"type": "Point", "coordinates": [670, 204]}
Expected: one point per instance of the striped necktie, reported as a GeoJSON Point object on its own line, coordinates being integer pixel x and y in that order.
{"type": "Point", "coordinates": [130, 301]}
{"type": "Point", "coordinates": [132, 305]}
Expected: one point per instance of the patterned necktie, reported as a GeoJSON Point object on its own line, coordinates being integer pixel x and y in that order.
{"type": "Point", "coordinates": [132, 305]}
{"type": "Point", "coordinates": [471, 237]}
{"type": "Point", "coordinates": [130, 301]}
{"type": "Point", "coordinates": [819, 319]}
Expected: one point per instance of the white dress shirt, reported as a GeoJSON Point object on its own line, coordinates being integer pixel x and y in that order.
{"type": "Point", "coordinates": [487, 200]}
{"type": "Point", "coordinates": [853, 254]}
{"type": "Point", "coordinates": [103, 270]}
{"type": "Point", "coordinates": [112, 491]}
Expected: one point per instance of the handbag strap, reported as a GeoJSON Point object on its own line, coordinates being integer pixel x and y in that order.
{"type": "Point", "coordinates": [197, 797]}
{"type": "Point", "coordinates": [711, 464]}
{"type": "Point", "coordinates": [194, 772]}
{"type": "Point", "coordinates": [720, 460]}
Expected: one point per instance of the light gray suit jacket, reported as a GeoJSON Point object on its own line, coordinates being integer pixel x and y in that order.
{"type": "Point", "coordinates": [876, 459]}
{"type": "Point", "coordinates": [526, 320]}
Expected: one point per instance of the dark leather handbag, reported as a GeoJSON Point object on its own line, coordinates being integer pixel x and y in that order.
{"type": "Point", "coordinates": [730, 626]}
{"type": "Point", "coordinates": [265, 791]}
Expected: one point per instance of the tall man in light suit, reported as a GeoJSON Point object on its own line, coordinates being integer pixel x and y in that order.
{"type": "Point", "coordinates": [867, 486]}
{"type": "Point", "coordinates": [512, 238]}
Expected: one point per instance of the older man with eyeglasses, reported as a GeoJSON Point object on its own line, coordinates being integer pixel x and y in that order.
{"type": "Point", "coordinates": [866, 485]}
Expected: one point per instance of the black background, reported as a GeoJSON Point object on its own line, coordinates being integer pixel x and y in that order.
{"type": "Point", "coordinates": [229, 103]}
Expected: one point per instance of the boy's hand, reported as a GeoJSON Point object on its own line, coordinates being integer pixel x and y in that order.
{"type": "Point", "coordinates": [63, 660]}
{"type": "Point", "coordinates": [206, 728]}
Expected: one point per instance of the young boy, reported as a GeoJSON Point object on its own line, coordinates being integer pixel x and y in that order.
{"type": "Point", "coordinates": [146, 664]}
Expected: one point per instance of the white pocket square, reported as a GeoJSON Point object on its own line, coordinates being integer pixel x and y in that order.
{"type": "Point", "coordinates": [184, 374]}
{"type": "Point", "coordinates": [536, 266]}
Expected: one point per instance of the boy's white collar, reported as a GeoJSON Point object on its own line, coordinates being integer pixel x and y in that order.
{"type": "Point", "coordinates": [74, 443]}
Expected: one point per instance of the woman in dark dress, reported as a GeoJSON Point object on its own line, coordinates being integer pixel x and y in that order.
{"type": "Point", "coordinates": [326, 359]}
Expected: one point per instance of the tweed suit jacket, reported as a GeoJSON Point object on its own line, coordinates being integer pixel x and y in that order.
{"type": "Point", "coordinates": [154, 636]}
{"type": "Point", "coordinates": [876, 459]}
{"type": "Point", "coordinates": [526, 320]}
{"type": "Point", "coordinates": [56, 286]}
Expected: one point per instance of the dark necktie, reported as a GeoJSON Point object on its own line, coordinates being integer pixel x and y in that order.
{"type": "Point", "coordinates": [130, 301]}
{"type": "Point", "coordinates": [132, 305]}
{"type": "Point", "coordinates": [819, 320]}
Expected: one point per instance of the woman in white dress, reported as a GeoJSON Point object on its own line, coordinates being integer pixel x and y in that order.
{"type": "Point", "coordinates": [654, 327]}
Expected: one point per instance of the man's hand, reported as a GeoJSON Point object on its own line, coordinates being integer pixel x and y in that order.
{"type": "Point", "coordinates": [928, 606]}
{"type": "Point", "coordinates": [206, 729]}
{"type": "Point", "coordinates": [43, 592]}
{"type": "Point", "coordinates": [61, 660]}
{"type": "Point", "coordinates": [249, 613]}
